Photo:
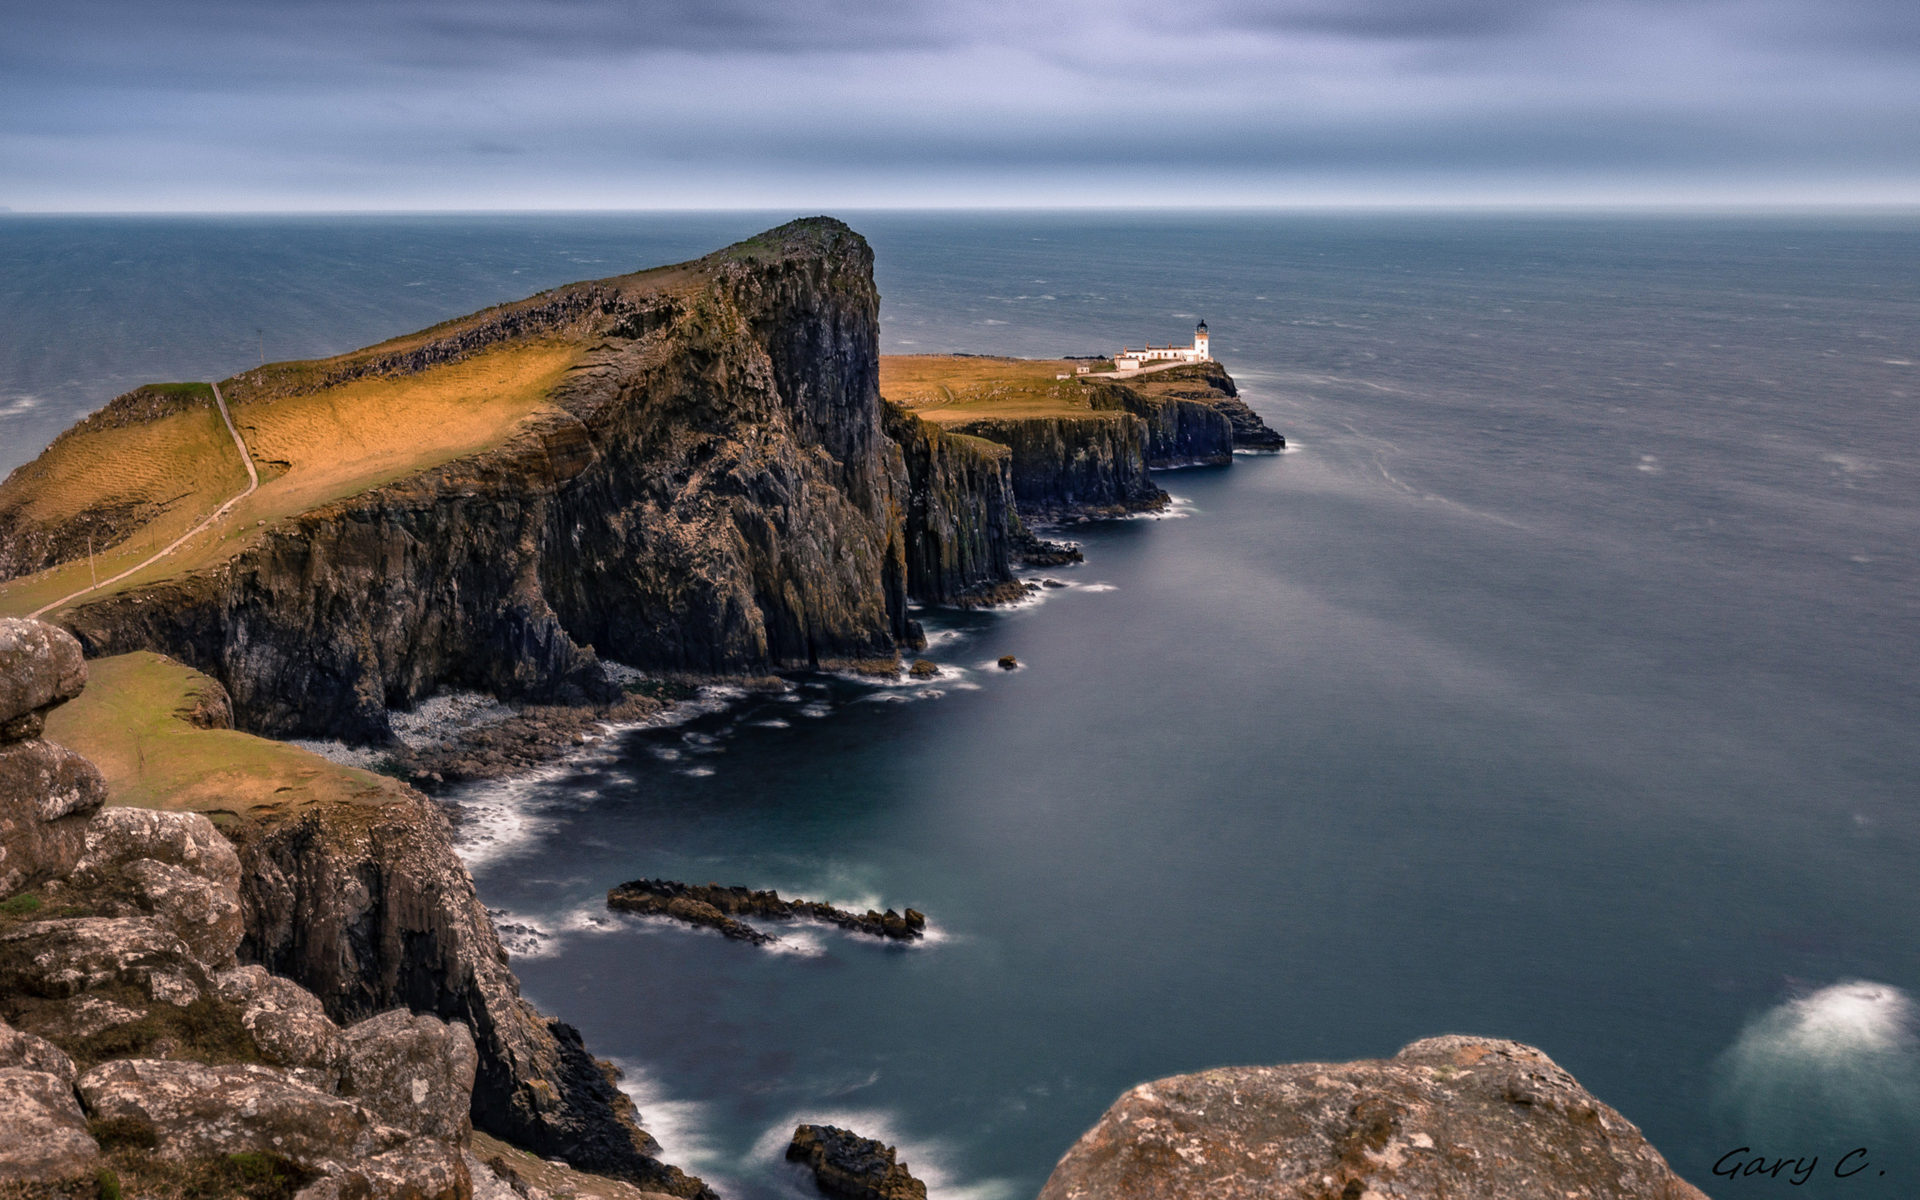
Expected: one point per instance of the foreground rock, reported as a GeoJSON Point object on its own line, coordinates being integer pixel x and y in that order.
{"type": "Point", "coordinates": [1448, 1116]}
{"type": "Point", "coordinates": [47, 792]}
{"type": "Point", "coordinates": [715, 907]}
{"type": "Point", "coordinates": [851, 1167]}
{"type": "Point", "coordinates": [43, 1133]}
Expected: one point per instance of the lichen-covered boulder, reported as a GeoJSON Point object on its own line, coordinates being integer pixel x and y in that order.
{"type": "Point", "coordinates": [193, 1111]}
{"type": "Point", "coordinates": [416, 1071]}
{"type": "Point", "coordinates": [1448, 1116]}
{"type": "Point", "coordinates": [47, 795]}
{"type": "Point", "coordinates": [289, 1025]}
{"type": "Point", "coordinates": [422, 1169]}
{"type": "Point", "coordinates": [852, 1167]}
{"type": "Point", "coordinates": [27, 1052]}
{"type": "Point", "coordinates": [43, 1133]}
{"type": "Point", "coordinates": [41, 667]}
{"type": "Point", "coordinates": [119, 835]}
{"type": "Point", "coordinates": [65, 957]}
{"type": "Point", "coordinates": [201, 913]}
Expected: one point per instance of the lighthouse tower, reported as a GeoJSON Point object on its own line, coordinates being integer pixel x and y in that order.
{"type": "Point", "coordinates": [1200, 342]}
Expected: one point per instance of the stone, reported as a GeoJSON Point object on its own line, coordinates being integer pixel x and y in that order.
{"type": "Point", "coordinates": [416, 1071]}
{"type": "Point", "coordinates": [1008, 662]}
{"type": "Point", "coordinates": [30, 1053]}
{"type": "Point", "coordinates": [849, 1166]}
{"type": "Point", "coordinates": [1448, 1116]}
{"type": "Point", "coordinates": [289, 1025]}
{"type": "Point", "coordinates": [43, 1133]}
{"type": "Point", "coordinates": [194, 1111]}
{"type": "Point", "coordinates": [41, 667]}
{"type": "Point", "coordinates": [47, 794]}
{"type": "Point", "coordinates": [65, 957]}
{"type": "Point", "coordinates": [85, 1016]}
{"type": "Point", "coordinates": [422, 1169]}
{"type": "Point", "coordinates": [120, 835]}
{"type": "Point", "coordinates": [199, 912]}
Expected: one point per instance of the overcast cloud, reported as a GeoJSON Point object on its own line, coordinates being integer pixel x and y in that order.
{"type": "Point", "coordinates": [358, 104]}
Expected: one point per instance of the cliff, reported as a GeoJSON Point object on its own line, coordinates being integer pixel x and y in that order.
{"type": "Point", "coordinates": [345, 884]}
{"type": "Point", "coordinates": [1194, 414]}
{"type": "Point", "coordinates": [1074, 467]}
{"type": "Point", "coordinates": [1448, 1116]}
{"type": "Point", "coordinates": [961, 522]}
{"type": "Point", "coordinates": [692, 474]}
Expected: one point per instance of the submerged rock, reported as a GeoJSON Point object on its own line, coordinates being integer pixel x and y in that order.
{"type": "Point", "coordinates": [1448, 1116]}
{"type": "Point", "coordinates": [849, 1166]}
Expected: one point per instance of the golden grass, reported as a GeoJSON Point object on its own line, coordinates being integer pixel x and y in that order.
{"type": "Point", "coordinates": [946, 389]}
{"type": "Point", "coordinates": [131, 722]}
{"type": "Point", "coordinates": [310, 450]}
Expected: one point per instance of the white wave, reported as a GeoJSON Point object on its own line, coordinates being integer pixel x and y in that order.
{"type": "Point", "coordinates": [931, 1160]}
{"type": "Point", "coordinates": [697, 772]}
{"type": "Point", "coordinates": [1841, 1061]}
{"type": "Point", "coordinates": [774, 723]}
{"type": "Point", "coordinates": [941, 637]}
{"type": "Point", "coordinates": [680, 1126]}
{"type": "Point", "coordinates": [816, 709]}
{"type": "Point", "coordinates": [494, 822]}
{"type": "Point", "coordinates": [1099, 587]}
{"type": "Point", "coordinates": [801, 943]}
{"type": "Point", "coordinates": [665, 753]}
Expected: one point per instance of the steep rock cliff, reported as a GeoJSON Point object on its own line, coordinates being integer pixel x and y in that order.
{"type": "Point", "coordinates": [960, 524]}
{"type": "Point", "coordinates": [1180, 432]}
{"type": "Point", "coordinates": [1075, 467]}
{"type": "Point", "coordinates": [710, 489]}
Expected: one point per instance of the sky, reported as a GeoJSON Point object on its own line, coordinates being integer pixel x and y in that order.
{"type": "Point", "coordinates": [275, 105]}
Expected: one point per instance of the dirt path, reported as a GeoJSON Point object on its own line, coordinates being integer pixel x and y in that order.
{"type": "Point", "coordinates": [253, 482]}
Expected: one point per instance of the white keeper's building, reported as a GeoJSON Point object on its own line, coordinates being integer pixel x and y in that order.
{"type": "Point", "coordinates": [1133, 360]}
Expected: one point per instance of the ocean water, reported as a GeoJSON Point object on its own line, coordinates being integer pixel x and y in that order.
{"type": "Point", "coordinates": [1559, 684]}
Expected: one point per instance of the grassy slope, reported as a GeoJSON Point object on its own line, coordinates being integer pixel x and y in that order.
{"type": "Point", "coordinates": [947, 389]}
{"type": "Point", "coordinates": [132, 722]}
{"type": "Point", "coordinates": [309, 449]}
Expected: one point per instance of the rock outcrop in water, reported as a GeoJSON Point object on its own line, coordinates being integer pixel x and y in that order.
{"type": "Point", "coordinates": [1448, 1116]}
{"type": "Point", "coordinates": [720, 908]}
{"type": "Point", "coordinates": [851, 1167]}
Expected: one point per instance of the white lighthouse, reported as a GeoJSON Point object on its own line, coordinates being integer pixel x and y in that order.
{"type": "Point", "coordinates": [1133, 360]}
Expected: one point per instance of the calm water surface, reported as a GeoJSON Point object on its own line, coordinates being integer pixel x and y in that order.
{"type": "Point", "coordinates": [1559, 685]}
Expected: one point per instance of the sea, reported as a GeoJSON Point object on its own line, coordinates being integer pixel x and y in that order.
{"type": "Point", "coordinates": [1560, 682]}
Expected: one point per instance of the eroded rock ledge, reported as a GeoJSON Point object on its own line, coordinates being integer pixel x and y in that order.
{"type": "Point", "coordinates": [1447, 1116]}
{"type": "Point", "coordinates": [712, 906]}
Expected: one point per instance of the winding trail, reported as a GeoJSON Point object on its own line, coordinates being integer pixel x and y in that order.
{"type": "Point", "coordinates": [253, 483]}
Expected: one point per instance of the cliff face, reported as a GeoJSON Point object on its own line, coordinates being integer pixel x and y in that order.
{"type": "Point", "coordinates": [710, 489]}
{"type": "Point", "coordinates": [369, 908]}
{"type": "Point", "coordinates": [1180, 432]}
{"type": "Point", "coordinates": [1073, 467]}
{"type": "Point", "coordinates": [960, 520]}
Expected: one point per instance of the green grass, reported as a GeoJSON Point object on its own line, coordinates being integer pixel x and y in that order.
{"type": "Point", "coordinates": [25, 904]}
{"type": "Point", "coordinates": [129, 722]}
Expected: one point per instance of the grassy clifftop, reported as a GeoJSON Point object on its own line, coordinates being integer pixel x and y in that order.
{"type": "Point", "coordinates": [142, 720]}
{"type": "Point", "coordinates": [949, 389]}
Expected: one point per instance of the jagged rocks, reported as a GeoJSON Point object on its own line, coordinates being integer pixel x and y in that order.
{"type": "Point", "coordinates": [189, 1111]}
{"type": "Point", "coordinates": [62, 958]}
{"type": "Point", "coordinates": [43, 1133]}
{"type": "Point", "coordinates": [187, 840]}
{"type": "Point", "coordinates": [719, 908]}
{"type": "Point", "coordinates": [420, 1170]}
{"type": "Point", "coordinates": [27, 1052]}
{"type": "Point", "coordinates": [1071, 468]}
{"type": "Point", "coordinates": [199, 912]}
{"type": "Point", "coordinates": [47, 794]}
{"type": "Point", "coordinates": [415, 1071]}
{"type": "Point", "coordinates": [288, 1024]}
{"type": "Point", "coordinates": [851, 1167]}
{"type": "Point", "coordinates": [40, 667]}
{"type": "Point", "coordinates": [1448, 1116]}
